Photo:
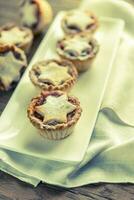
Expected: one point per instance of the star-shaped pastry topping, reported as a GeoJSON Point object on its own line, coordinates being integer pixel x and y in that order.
{"type": "Point", "coordinates": [9, 68]}
{"type": "Point", "coordinates": [82, 23]}
{"type": "Point", "coordinates": [29, 16]}
{"type": "Point", "coordinates": [76, 45]}
{"type": "Point", "coordinates": [55, 108]}
{"type": "Point", "coordinates": [12, 36]}
{"type": "Point", "coordinates": [53, 73]}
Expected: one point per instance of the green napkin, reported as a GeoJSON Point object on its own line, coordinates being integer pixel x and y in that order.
{"type": "Point", "coordinates": [108, 158]}
{"type": "Point", "coordinates": [119, 95]}
{"type": "Point", "coordinates": [120, 91]}
{"type": "Point", "coordinates": [109, 155]}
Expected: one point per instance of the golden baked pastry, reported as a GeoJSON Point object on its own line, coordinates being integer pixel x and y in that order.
{"type": "Point", "coordinates": [79, 21]}
{"type": "Point", "coordinates": [79, 49]}
{"type": "Point", "coordinates": [54, 113]}
{"type": "Point", "coordinates": [12, 63]}
{"type": "Point", "coordinates": [12, 34]}
{"type": "Point", "coordinates": [35, 14]}
{"type": "Point", "coordinates": [53, 75]}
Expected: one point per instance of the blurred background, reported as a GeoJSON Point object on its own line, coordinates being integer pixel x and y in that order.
{"type": "Point", "coordinates": [9, 10]}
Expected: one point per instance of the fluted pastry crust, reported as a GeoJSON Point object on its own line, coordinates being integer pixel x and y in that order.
{"type": "Point", "coordinates": [79, 49]}
{"type": "Point", "coordinates": [25, 44]}
{"type": "Point", "coordinates": [59, 130]}
{"type": "Point", "coordinates": [79, 21]}
{"type": "Point", "coordinates": [43, 15]}
{"type": "Point", "coordinates": [66, 85]}
{"type": "Point", "coordinates": [22, 64]}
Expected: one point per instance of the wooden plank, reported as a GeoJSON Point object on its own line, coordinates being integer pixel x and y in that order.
{"type": "Point", "coordinates": [108, 191]}
{"type": "Point", "coordinates": [11, 189]}
{"type": "Point", "coordinates": [9, 11]}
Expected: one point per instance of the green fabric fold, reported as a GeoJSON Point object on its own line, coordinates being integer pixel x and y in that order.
{"type": "Point", "coordinates": [108, 158]}
{"type": "Point", "coordinates": [119, 95]}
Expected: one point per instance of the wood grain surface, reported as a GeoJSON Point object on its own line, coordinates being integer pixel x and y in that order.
{"type": "Point", "coordinates": [13, 189]}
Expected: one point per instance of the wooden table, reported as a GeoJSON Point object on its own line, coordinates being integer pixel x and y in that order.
{"type": "Point", "coordinates": [13, 189]}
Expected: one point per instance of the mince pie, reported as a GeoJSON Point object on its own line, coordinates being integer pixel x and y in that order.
{"type": "Point", "coordinates": [12, 63]}
{"type": "Point", "coordinates": [54, 113]}
{"type": "Point", "coordinates": [11, 34]}
{"type": "Point", "coordinates": [78, 21]}
{"type": "Point", "coordinates": [80, 49]}
{"type": "Point", "coordinates": [35, 14]}
{"type": "Point", "coordinates": [53, 75]}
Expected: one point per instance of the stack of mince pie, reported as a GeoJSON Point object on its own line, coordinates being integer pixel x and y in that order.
{"type": "Point", "coordinates": [16, 41]}
{"type": "Point", "coordinates": [79, 46]}
{"type": "Point", "coordinates": [54, 112]}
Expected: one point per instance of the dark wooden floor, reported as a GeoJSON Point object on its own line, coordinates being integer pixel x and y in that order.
{"type": "Point", "coordinates": [13, 189]}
